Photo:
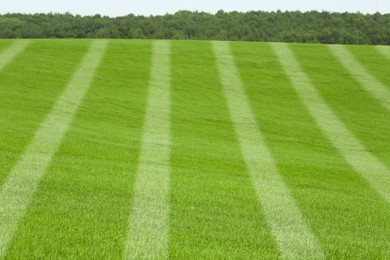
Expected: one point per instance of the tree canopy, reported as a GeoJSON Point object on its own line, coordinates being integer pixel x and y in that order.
{"type": "Point", "coordinates": [307, 27]}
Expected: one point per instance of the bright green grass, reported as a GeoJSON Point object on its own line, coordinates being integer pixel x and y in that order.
{"type": "Point", "coordinates": [362, 114]}
{"type": "Point", "coordinates": [324, 186]}
{"type": "Point", "coordinates": [374, 61]}
{"type": "Point", "coordinates": [29, 86]}
{"type": "Point", "coordinates": [82, 205]}
{"type": "Point", "coordinates": [215, 212]}
{"type": "Point", "coordinates": [4, 44]}
{"type": "Point", "coordinates": [84, 200]}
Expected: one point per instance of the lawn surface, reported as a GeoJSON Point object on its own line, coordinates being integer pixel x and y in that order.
{"type": "Point", "coordinates": [84, 204]}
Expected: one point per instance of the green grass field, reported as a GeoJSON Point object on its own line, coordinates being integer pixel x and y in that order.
{"type": "Point", "coordinates": [119, 149]}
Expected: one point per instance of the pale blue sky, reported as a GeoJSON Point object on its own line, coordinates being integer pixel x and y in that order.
{"type": "Point", "coordinates": [147, 7]}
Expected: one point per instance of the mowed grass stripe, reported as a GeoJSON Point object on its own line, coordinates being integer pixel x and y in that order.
{"type": "Point", "coordinates": [29, 89]}
{"type": "Point", "coordinates": [214, 210]}
{"type": "Point", "coordinates": [12, 51]}
{"type": "Point", "coordinates": [375, 62]}
{"type": "Point", "coordinates": [384, 50]}
{"type": "Point", "coordinates": [370, 168]}
{"type": "Point", "coordinates": [23, 181]}
{"type": "Point", "coordinates": [324, 186]}
{"type": "Point", "coordinates": [369, 123]}
{"type": "Point", "coordinates": [368, 82]}
{"type": "Point", "coordinates": [83, 201]}
{"type": "Point", "coordinates": [148, 223]}
{"type": "Point", "coordinates": [288, 226]}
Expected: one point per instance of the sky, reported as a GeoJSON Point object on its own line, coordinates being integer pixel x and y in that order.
{"type": "Point", "coordinates": [155, 7]}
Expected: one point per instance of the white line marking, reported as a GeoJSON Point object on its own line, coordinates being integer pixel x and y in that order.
{"type": "Point", "coordinates": [369, 83]}
{"type": "Point", "coordinates": [149, 219]}
{"type": "Point", "coordinates": [24, 179]}
{"type": "Point", "coordinates": [384, 50]}
{"type": "Point", "coordinates": [12, 51]}
{"type": "Point", "coordinates": [293, 236]}
{"type": "Point", "coordinates": [365, 163]}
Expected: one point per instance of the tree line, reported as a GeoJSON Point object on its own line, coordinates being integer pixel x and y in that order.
{"type": "Point", "coordinates": [303, 27]}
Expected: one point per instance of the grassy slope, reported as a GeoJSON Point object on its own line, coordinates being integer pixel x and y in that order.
{"type": "Point", "coordinates": [215, 212]}
{"type": "Point", "coordinates": [83, 203]}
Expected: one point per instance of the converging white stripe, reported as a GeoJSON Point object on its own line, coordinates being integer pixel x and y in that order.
{"type": "Point", "coordinates": [293, 236]}
{"type": "Point", "coordinates": [12, 51]}
{"type": "Point", "coordinates": [24, 179]}
{"type": "Point", "coordinates": [365, 163]}
{"type": "Point", "coordinates": [149, 219]}
{"type": "Point", "coordinates": [384, 50]}
{"type": "Point", "coordinates": [369, 83]}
